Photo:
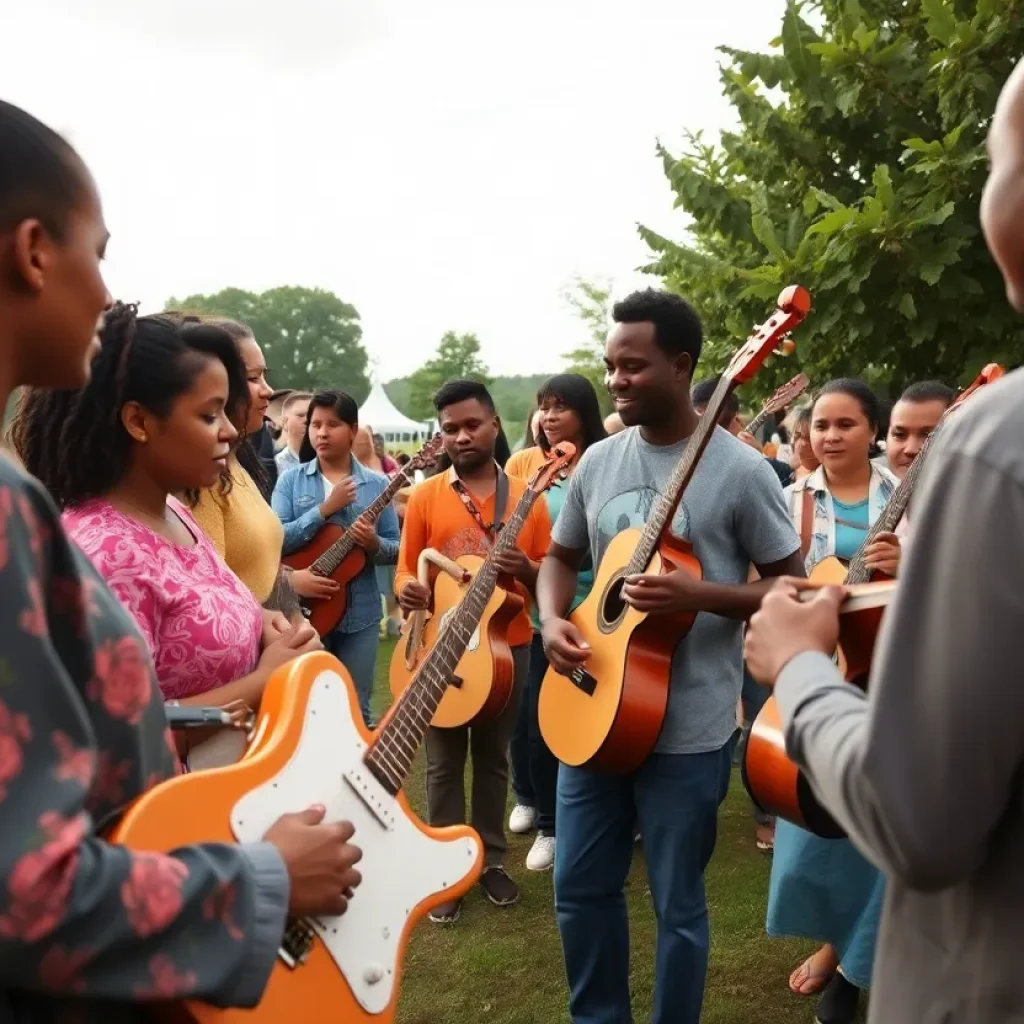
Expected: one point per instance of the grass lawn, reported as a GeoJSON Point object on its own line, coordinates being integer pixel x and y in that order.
{"type": "Point", "coordinates": [505, 966]}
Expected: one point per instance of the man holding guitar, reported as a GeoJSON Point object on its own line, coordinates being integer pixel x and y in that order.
{"type": "Point", "coordinates": [937, 739]}
{"type": "Point", "coordinates": [459, 512]}
{"type": "Point", "coordinates": [733, 514]}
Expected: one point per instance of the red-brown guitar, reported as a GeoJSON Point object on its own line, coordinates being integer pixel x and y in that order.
{"type": "Point", "coordinates": [774, 782]}
{"type": "Point", "coordinates": [333, 553]}
{"type": "Point", "coordinates": [609, 713]}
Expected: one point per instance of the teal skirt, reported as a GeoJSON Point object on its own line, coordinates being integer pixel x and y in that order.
{"type": "Point", "coordinates": [823, 889]}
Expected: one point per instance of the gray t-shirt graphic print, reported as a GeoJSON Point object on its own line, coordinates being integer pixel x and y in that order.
{"type": "Point", "coordinates": [733, 513]}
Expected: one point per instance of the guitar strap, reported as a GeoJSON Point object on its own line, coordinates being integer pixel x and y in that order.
{"type": "Point", "coordinates": [806, 521]}
{"type": "Point", "coordinates": [500, 505]}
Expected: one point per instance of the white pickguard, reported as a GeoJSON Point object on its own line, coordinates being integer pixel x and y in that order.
{"type": "Point", "coordinates": [400, 867]}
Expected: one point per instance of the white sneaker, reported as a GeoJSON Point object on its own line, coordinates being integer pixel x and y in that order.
{"type": "Point", "coordinates": [542, 854]}
{"type": "Point", "coordinates": [523, 819]}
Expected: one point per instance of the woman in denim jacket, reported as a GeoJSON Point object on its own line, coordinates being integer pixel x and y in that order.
{"type": "Point", "coordinates": [331, 486]}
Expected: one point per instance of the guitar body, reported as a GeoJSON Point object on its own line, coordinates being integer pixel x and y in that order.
{"type": "Point", "coordinates": [609, 715]}
{"type": "Point", "coordinates": [308, 748]}
{"type": "Point", "coordinates": [485, 676]}
{"type": "Point", "coordinates": [773, 780]}
{"type": "Point", "coordinates": [326, 613]}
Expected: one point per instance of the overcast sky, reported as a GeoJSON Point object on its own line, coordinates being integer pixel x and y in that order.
{"type": "Point", "coordinates": [440, 165]}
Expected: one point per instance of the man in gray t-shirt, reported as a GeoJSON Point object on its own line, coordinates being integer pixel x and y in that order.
{"type": "Point", "coordinates": [733, 514]}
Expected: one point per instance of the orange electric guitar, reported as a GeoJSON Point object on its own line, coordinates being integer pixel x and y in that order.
{"type": "Point", "coordinates": [334, 554]}
{"type": "Point", "coordinates": [481, 683]}
{"type": "Point", "coordinates": [782, 397]}
{"type": "Point", "coordinates": [774, 782]}
{"type": "Point", "coordinates": [609, 713]}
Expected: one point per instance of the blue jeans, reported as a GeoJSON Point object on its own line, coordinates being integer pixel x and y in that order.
{"type": "Point", "coordinates": [358, 653]}
{"type": "Point", "coordinates": [534, 767]}
{"type": "Point", "coordinates": [675, 800]}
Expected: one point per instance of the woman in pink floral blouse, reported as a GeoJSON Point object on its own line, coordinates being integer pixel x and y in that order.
{"type": "Point", "coordinates": [89, 931]}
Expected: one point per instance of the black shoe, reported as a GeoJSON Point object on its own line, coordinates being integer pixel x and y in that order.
{"type": "Point", "coordinates": [499, 888]}
{"type": "Point", "coordinates": [838, 1002]}
{"type": "Point", "coordinates": [446, 913]}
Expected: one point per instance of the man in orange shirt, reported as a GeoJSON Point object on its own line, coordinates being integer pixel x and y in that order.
{"type": "Point", "coordinates": [455, 512]}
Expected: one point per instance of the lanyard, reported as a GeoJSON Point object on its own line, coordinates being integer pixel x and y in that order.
{"type": "Point", "coordinates": [500, 503]}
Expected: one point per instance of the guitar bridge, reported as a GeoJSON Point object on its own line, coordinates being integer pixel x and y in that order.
{"type": "Point", "coordinates": [584, 681]}
{"type": "Point", "coordinates": [297, 942]}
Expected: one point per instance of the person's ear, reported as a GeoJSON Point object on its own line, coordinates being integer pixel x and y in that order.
{"type": "Point", "coordinates": [136, 421]}
{"type": "Point", "coordinates": [32, 252]}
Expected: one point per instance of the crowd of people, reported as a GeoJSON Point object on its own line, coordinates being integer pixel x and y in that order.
{"type": "Point", "coordinates": [143, 540]}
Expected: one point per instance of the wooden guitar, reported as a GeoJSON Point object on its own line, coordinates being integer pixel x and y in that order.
{"type": "Point", "coordinates": [774, 782]}
{"type": "Point", "coordinates": [333, 553]}
{"type": "Point", "coordinates": [482, 682]}
{"type": "Point", "coordinates": [779, 400]}
{"type": "Point", "coordinates": [609, 713]}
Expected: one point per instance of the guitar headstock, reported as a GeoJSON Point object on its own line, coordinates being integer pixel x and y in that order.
{"type": "Point", "coordinates": [989, 373]}
{"type": "Point", "coordinates": [793, 305]}
{"type": "Point", "coordinates": [787, 393]}
{"type": "Point", "coordinates": [427, 455]}
{"type": "Point", "coordinates": [558, 460]}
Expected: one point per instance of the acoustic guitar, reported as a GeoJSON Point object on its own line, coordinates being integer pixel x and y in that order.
{"type": "Point", "coordinates": [609, 712]}
{"type": "Point", "coordinates": [782, 397]}
{"type": "Point", "coordinates": [482, 682]}
{"type": "Point", "coordinates": [773, 781]}
{"type": "Point", "coordinates": [334, 554]}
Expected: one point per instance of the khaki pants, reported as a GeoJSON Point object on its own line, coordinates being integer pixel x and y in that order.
{"type": "Point", "coordinates": [488, 748]}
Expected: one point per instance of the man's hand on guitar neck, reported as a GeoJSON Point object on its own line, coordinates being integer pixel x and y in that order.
{"type": "Point", "coordinates": [514, 562]}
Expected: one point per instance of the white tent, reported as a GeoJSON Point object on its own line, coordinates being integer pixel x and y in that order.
{"type": "Point", "coordinates": [379, 413]}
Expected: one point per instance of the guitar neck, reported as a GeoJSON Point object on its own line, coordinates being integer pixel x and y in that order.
{"type": "Point", "coordinates": [664, 508]}
{"type": "Point", "coordinates": [894, 510]}
{"type": "Point", "coordinates": [391, 753]}
{"type": "Point", "coordinates": [339, 550]}
{"type": "Point", "coordinates": [758, 422]}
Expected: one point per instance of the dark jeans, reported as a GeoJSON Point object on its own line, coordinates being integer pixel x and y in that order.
{"type": "Point", "coordinates": [675, 798]}
{"type": "Point", "coordinates": [534, 767]}
{"type": "Point", "coordinates": [754, 697]}
{"type": "Point", "coordinates": [487, 746]}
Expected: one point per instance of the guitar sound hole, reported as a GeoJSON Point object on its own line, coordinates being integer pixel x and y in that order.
{"type": "Point", "coordinates": [613, 607]}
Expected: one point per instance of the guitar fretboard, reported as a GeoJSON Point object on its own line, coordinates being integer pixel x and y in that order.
{"type": "Point", "coordinates": [665, 506]}
{"type": "Point", "coordinates": [390, 755]}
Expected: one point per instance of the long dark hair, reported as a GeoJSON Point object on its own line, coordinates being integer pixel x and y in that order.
{"type": "Point", "coordinates": [342, 404]}
{"type": "Point", "coordinates": [74, 441]}
{"type": "Point", "coordinates": [575, 392]}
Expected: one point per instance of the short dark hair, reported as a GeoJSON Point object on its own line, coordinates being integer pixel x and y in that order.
{"type": "Point", "coordinates": [41, 176]}
{"type": "Point", "coordinates": [460, 390]}
{"type": "Point", "coordinates": [929, 391]}
{"type": "Point", "coordinates": [74, 441]}
{"type": "Point", "coordinates": [858, 390]}
{"type": "Point", "coordinates": [701, 394]}
{"type": "Point", "coordinates": [677, 328]}
{"type": "Point", "coordinates": [341, 403]}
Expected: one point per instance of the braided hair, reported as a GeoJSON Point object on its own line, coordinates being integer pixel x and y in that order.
{"type": "Point", "coordinates": [74, 441]}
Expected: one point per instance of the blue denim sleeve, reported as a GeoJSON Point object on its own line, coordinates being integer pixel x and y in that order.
{"type": "Point", "coordinates": [390, 536]}
{"type": "Point", "coordinates": [298, 530]}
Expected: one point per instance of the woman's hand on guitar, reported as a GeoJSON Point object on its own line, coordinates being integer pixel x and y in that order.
{"type": "Point", "coordinates": [565, 646]}
{"type": "Point", "coordinates": [365, 535]}
{"type": "Point", "coordinates": [415, 597]}
{"type": "Point", "coordinates": [665, 594]}
{"type": "Point", "coordinates": [785, 626]}
{"type": "Point", "coordinates": [300, 639]}
{"type": "Point", "coordinates": [320, 861]}
{"type": "Point", "coordinates": [307, 584]}
{"type": "Point", "coordinates": [883, 554]}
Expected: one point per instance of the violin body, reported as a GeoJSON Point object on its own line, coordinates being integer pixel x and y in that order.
{"type": "Point", "coordinates": [485, 676]}
{"type": "Point", "coordinates": [325, 613]}
{"type": "Point", "coordinates": [775, 783]}
{"type": "Point", "coordinates": [609, 714]}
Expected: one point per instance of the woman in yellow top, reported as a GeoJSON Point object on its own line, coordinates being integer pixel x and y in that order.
{"type": "Point", "coordinates": [235, 514]}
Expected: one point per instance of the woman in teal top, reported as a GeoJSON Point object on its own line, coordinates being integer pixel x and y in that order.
{"type": "Point", "coordinates": [568, 412]}
{"type": "Point", "coordinates": [824, 889]}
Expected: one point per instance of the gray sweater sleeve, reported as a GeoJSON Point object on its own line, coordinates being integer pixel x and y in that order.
{"type": "Point", "coordinates": [920, 772]}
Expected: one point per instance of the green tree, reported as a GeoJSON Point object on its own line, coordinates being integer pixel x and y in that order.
{"type": "Point", "coordinates": [856, 170]}
{"type": "Point", "coordinates": [458, 355]}
{"type": "Point", "coordinates": [591, 302]}
{"type": "Point", "coordinates": [309, 337]}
